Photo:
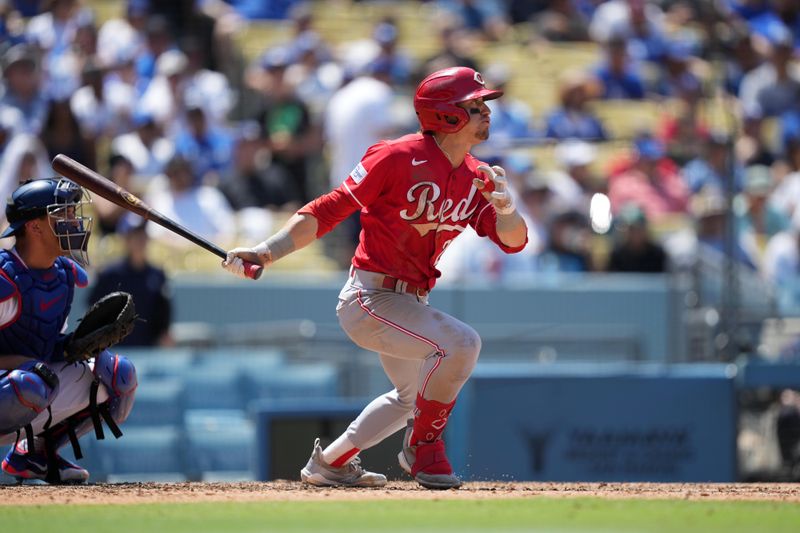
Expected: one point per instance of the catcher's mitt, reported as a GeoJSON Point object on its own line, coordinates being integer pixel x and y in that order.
{"type": "Point", "coordinates": [106, 323]}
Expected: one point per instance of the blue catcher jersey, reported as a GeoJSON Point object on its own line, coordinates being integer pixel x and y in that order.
{"type": "Point", "coordinates": [44, 299]}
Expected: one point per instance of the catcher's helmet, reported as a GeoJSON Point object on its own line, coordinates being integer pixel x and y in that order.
{"type": "Point", "coordinates": [63, 201]}
{"type": "Point", "coordinates": [437, 95]}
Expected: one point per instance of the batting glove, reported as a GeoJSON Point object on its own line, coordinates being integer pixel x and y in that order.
{"type": "Point", "coordinates": [234, 261]}
{"type": "Point", "coordinates": [495, 189]}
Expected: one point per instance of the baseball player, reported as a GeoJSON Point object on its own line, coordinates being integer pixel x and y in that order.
{"type": "Point", "coordinates": [416, 194]}
{"type": "Point", "coordinates": [44, 401]}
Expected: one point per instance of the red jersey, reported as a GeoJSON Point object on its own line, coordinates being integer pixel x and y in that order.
{"type": "Point", "coordinates": [413, 204]}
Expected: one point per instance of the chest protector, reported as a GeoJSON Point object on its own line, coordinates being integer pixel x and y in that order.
{"type": "Point", "coordinates": [46, 297]}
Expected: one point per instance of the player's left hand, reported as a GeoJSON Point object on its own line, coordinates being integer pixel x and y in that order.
{"type": "Point", "coordinates": [235, 260]}
{"type": "Point", "coordinates": [106, 323]}
{"type": "Point", "coordinates": [495, 189]}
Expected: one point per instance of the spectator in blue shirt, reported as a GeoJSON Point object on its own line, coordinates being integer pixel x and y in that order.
{"type": "Point", "coordinates": [487, 17]}
{"type": "Point", "coordinates": [747, 9]}
{"type": "Point", "coordinates": [399, 62]}
{"type": "Point", "coordinates": [568, 244]}
{"type": "Point", "coordinates": [263, 9]}
{"type": "Point", "coordinates": [618, 75]}
{"type": "Point", "coordinates": [740, 57]}
{"type": "Point", "coordinates": [784, 13]}
{"type": "Point", "coordinates": [640, 22]}
{"type": "Point", "coordinates": [774, 87]}
{"type": "Point", "coordinates": [677, 80]}
{"type": "Point", "coordinates": [159, 39]}
{"type": "Point", "coordinates": [790, 127]}
{"type": "Point", "coordinates": [709, 171]}
{"type": "Point", "coordinates": [9, 35]}
{"type": "Point", "coordinates": [210, 149]}
{"type": "Point", "coordinates": [572, 119]}
{"type": "Point", "coordinates": [23, 87]}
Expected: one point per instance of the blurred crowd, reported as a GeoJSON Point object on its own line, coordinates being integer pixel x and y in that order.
{"type": "Point", "coordinates": [689, 190]}
{"type": "Point", "coordinates": [162, 99]}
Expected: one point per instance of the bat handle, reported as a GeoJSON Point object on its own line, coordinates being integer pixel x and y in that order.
{"type": "Point", "coordinates": [252, 270]}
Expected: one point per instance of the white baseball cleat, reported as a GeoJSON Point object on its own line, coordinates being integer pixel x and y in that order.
{"type": "Point", "coordinates": [317, 472]}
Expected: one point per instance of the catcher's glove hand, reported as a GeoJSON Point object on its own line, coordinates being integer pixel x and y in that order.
{"type": "Point", "coordinates": [106, 323]}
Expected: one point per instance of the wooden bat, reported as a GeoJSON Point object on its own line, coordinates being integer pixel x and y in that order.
{"type": "Point", "coordinates": [112, 192]}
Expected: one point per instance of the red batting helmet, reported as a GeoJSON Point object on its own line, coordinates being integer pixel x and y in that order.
{"type": "Point", "coordinates": [437, 95]}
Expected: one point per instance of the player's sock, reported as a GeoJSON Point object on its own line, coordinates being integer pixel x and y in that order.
{"type": "Point", "coordinates": [339, 452]}
{"type": "Point", "coordinates": [430, 419]}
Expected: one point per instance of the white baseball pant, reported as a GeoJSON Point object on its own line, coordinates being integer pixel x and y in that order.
{"type": "Point", "coordinates": [421, 349]}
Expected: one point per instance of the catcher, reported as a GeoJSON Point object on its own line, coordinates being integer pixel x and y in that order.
{"type": "Point", "coordinates": [54, 386]}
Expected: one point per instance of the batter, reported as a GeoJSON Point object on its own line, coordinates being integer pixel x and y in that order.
{"type": "Point", "coordinates": [416, 194]}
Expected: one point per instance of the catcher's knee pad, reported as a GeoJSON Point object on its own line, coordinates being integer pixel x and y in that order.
{"type": "Point", "coordinates": [24, 393]}
{"type": "Point", "coordinates": [116, 372]}
{"type": "Point", "coordinates": [118, 375]}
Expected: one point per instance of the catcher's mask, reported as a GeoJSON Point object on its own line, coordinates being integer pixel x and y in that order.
{"type": "Point", "coordinates": [63, 201]}
{"type": "Point", "coordinates": [437, 95]}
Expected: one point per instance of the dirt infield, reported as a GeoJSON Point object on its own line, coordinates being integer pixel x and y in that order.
{"type": "Point", "coordinates": [132, 493]}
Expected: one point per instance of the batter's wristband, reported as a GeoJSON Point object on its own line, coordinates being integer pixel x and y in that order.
{"type": "Point", "coordinates": [279, 245]}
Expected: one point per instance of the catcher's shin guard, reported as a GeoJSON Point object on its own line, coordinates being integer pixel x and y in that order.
{"type": "Point", "coordinates": [118, 375]}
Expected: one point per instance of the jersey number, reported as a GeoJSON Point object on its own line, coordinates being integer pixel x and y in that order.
{"type": "Point", "coordinates": [444, 247]}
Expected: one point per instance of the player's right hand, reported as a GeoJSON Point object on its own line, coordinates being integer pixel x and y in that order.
{"type": "Point", "coordinates": [495, 189]}
{"type": "Point", "coordinates": [234, 261]}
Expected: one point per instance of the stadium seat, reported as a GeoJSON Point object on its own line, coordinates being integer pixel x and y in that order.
{"type": "Point", "coordinates": [220, 444]}
{"type": "Point", "coordinates": [212, 420]}
{"type": "Point", "coordinates": [159, 362]}
{"type": "Point", "coordinates": [624, 119]}
{"type": "Point", "coordinates": [213, 388]}
{"type": "Point", "coordinates": [544, 155]}
{"type": "Point", "coordinates": [159, 401]}
{"type": "Point", "coordinates": [143, 451]}
{"type": "Point", "coordinates": [245, 360]}
{"type": "Point", "coordinates": [312, 380]}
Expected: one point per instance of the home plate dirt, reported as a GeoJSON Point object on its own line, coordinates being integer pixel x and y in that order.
{"type": "Point", "coordinates": [132, 493]}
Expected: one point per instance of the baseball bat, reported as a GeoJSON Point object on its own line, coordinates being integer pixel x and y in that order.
{"type": "Point", "coordinates": [102, 186]}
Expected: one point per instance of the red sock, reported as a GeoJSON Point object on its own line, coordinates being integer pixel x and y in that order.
{"type": "Point", "coordinates": [344, 458]}
{"type": "Point", "coordinates": [430, 419]}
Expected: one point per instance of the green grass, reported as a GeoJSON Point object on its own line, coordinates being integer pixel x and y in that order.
{"type": "Point", "coordinates": [462, 516]}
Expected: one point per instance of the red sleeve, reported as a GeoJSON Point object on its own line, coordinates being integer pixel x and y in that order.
{"type": "Point", "coordinates": [330, 209]}
{"type": "Point", "coordinates": [484, 222]}
{"type": "Point", "coordinates": [363, 186]}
